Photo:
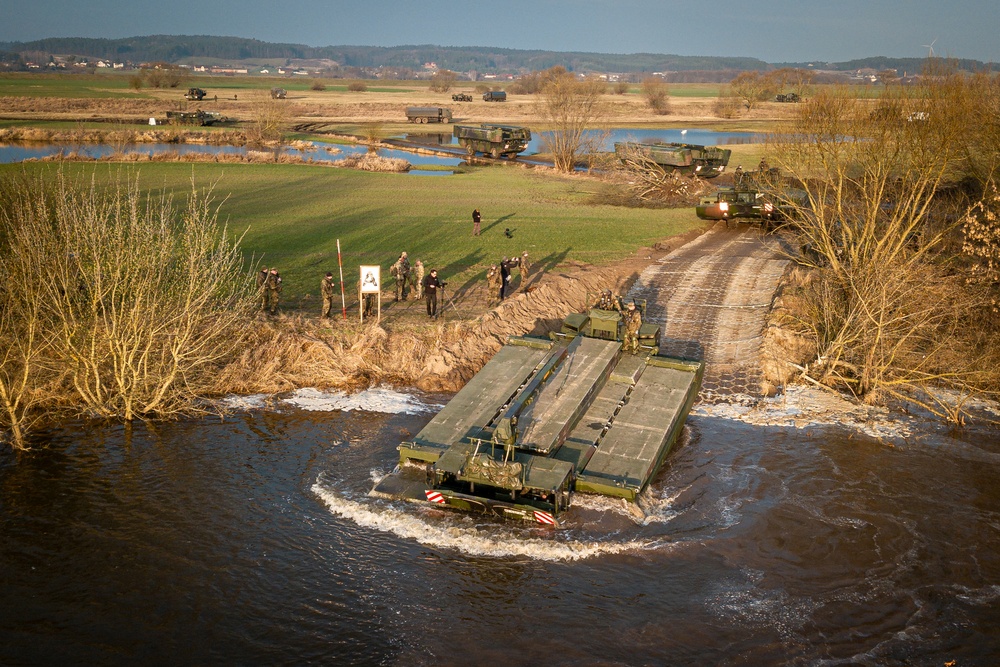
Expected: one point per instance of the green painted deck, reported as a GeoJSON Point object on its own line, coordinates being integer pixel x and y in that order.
{"type": "Point", "coordinates": [468, 413]}
{"type": "Point", "coordinates": [642, 433]}
{"type": "Point", "coordinates": [544, 424]}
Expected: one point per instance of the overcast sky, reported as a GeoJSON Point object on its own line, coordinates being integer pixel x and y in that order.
{"type": "Point", "coordinates": [772, 30]}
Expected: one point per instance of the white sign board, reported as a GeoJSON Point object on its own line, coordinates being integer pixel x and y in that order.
{"type": "Point", "coordinates": [371, 281]}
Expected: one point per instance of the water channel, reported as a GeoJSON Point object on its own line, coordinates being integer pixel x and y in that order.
{"type": "Point", "coordinates": [10, 153]}
{"type": "Point", "coordinates": [251, 540]}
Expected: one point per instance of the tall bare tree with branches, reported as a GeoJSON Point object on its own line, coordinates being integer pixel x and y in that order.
{"type": "Point", "coordinates": [572, 108]}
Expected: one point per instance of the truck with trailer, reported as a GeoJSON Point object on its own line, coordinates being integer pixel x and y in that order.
{"type": "Point", "coordinates": [492, 139]}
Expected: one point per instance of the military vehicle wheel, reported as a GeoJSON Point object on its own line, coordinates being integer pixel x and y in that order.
{"type": "Point", "coordinates": [470, 150]}
{"type": "Point", "coordinates": [494, 153]}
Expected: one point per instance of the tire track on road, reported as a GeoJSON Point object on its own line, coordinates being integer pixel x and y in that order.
{"type": "Point", "coordinates": [711, 298]}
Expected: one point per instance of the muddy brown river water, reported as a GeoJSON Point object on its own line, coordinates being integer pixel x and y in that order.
{"type": "Point", "coordinates": [771, 537]}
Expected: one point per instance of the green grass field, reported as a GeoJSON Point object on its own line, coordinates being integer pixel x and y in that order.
{"type": "Point", "coordinates": [293, 215]}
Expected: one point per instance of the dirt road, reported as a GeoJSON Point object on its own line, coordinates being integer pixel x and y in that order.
{"type": "Point", "coordinates": [711, 297]}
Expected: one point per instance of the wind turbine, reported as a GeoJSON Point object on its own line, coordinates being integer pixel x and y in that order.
{"type": "Point", "coordinates": [930, 47]}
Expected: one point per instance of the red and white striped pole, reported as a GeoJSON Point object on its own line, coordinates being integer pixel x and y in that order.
{"type": "Point", "coordinates": [343, 301]}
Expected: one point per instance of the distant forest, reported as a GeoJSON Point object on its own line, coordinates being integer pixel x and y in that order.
{"type": "Point", "coordinates": [237, 50]}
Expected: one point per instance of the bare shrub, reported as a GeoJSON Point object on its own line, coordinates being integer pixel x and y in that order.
{"type": "Point", "coordinates": [141, 303]}
{"type": "Point", "coordinates": [752, 88]}
{"type": "Point", "coordinates": [357, 86]}
{"type": "Point", "coordinates": [268, 117]}
{"type": "Point", "coordinates": [654, 89]}
{"type": "Point", "coordinates": [318, 85]}
{"type": "Point", "coordinates": [442, 81]}
{"type": "Point", "coordinates": [620, 87]}
{"type": "Point", "coordinates": [727, 105]}
{"type": "Point", "coordinates": [648, 181]}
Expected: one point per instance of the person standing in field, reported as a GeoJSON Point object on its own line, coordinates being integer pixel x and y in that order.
{"type": "Point", "coordinates": [431, 284]}
{"type": "Point", "coordinates": [523, 266]}
{"type": "Point", "coordinates": [476, 218]}
{"type": "Point", "coordinates": [261, 287]}
{"type": "Point", "coordinates": [326, 288]}
{"type": "Point", "coordinates": [492, 286]}
{"type": "Point", "coordinates": [504, 276]}
{"type": "Point", "coordinates": [273, 287]}
{"type": "Point", "coordinates": [418, 279]}
{"type": "Point", "coordinates": [401, 272]}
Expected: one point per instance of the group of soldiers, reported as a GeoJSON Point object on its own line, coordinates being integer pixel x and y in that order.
{"type": "Point", "coordinates": [425, 286]}
{"type": "Point", "coordinates": [631, 318]}
{"type": "Point", "coordinates": [498, 278]}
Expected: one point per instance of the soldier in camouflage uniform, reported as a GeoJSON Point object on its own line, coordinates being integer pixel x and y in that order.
{"type": "Point", "coordinates": [418, 278]}
{"type": "Point", "coordinates": [326, 288]}
{"type": "Point", "coordinates": [492, 286]}
{"type": "Point", "coordinates": [261, 289]}
{"type": "Point", "coordinates": [401, 272]}
{"type": "Point", "coordinates": [524, 266]}
{"type": "Point", "coordinates": [272, 287]}
{"type": "Point", "coordinates": [633, 321]}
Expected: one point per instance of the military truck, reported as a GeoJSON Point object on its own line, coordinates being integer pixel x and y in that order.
{"type": "Point", "coordinates": [428, 114]}
{"type": "Point", "coordinates": [494, 96]}
{"type": "Point", "coordinates": [196, 94]}
{"type": "Point", "coordinates": [786, 97]}
{"type": "Point", "coordinates": [278, 93]}
{"type": "Point", "coordinates": [461, 97]}
{"type": "Point", "coordinates": [701, 161]}
{"type": "Point", "coordinates": [550, 417]}
{"type": "Point", "coordinates": [493, 140]}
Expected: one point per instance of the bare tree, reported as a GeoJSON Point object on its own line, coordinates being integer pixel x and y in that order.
{"type": "Point", "coordinates": [752, 88]}
{"type": "Point", "coordinates": [646, 180]}
{"type": "Point", "coordinates": [885, 317]}
{"type": "Point", "coordinates": [268, 117]}
{"type": "Point", "coordinates": [571, 107]}
{"type": "Point", "coordinates": [654, 89]}
{"type": "Point", "coordinates": [443, 80]}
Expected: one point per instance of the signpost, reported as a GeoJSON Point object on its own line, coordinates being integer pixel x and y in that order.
{"type": "Point", "coordinates": [370, 287]}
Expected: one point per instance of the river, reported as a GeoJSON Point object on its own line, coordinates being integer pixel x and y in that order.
{"type": "Point", "coordinates": [770, 538]}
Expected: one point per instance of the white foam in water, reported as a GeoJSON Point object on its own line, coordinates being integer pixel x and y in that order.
{"type": "Point", "coordinates": [378, 399]}
{"type": "Point", "coordinates": [251, 402]}
{"type": "Point", "coordinates": [467, 540]}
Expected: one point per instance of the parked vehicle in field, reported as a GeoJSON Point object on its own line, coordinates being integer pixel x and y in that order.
{"type": "Point", "coordinates": [195, 94]}
{"type": "Point", "coordinates": [493, 140]}
{"type": "Point", "coordinates": [786, 97]}
{"type": "Point", "coordinates": [701, 161]}
{"type": "Point", "coordinates": [278, 93]}
{"type": "Point", "coordinates": [428, 114]}
{"type": "Point", "coordinates": [495, 96]}
{"type": "Point", "coordinates": [461, 97]}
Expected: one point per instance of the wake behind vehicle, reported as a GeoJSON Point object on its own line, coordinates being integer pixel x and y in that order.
{"type": "Point", "coordinates": [694, 159]}
{"type": "Point", "coordinates": [493, 140]}
{"type": "Point", "coordinates": [549, 417]}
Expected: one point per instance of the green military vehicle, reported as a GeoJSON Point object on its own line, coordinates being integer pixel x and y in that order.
{"type": "Point", "coordinates": [198, 117]}
{"type": "Point", "coordinates": [747, 201]}
{"type": "Point", "coordinates": [428, 114]}
{"type": "Point", "coordinates": [701, 161]}
{"type": "Point", "coordinates": [494, 96]}
{"type": "Point", "coordinates": [549, 417]}
{"type": "Point", "coordinates": [461, 97]}
{"type": "Point", "coordinates": [278, 93]}
{"type": "Point", "coordinates": [787, 97]}
{"type": "Point", "coordinates": [195, 94]}
{"type": "Point", "coordinates": [493, 140]}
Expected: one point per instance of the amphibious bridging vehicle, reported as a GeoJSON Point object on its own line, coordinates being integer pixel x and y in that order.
{"type": "Point", "coordinates": [702, 161]}
{"type": "Point", "coordinates": [549, 417]}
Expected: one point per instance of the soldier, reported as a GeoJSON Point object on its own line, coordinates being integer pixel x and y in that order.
{"type": "Point", "coordinates": [261, 291]}
{"type": "Point", "coordinates": [763, 166]}
{"type": "Point", "coordinates": [738, 175]}
{"type": "Point", "coordinates": [273, 287]}
{"type": "Point", "coordinates": [524, 266]}
{"type": "Point", "coordinates": [431, 285]}
{"type": "Point", "coordinates": [632, 320]}
{"type": "Point", "coordinates": [504, 276]}
{"type": "Point", "coordinates": [326, 289]}
{"type": "Point", "coordinates": [476, 218]}
{"type": "Point", "coordinates": [401, 272]}
{"type": "Point", "coordinates": [492, 286]}
{"type": "Point", "coordinates": [606, 301]}
{"type": "Point", "coordinates": [418, 280]}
